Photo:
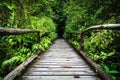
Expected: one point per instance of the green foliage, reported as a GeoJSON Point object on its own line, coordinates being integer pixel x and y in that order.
{"type": "Point", "coordinates": [44, 24]}
{"type": "Point", "coordinates": [75, 43]}
{"type": "Point", "coordinates": [110, 71]}
{"type": "Point", "coordinates": [100, 40]}
{"type": "Point", "coordinates": [36, 14]}
{"type": "Point", "coordinates": [45, 43]}
{"type": "Point", "coordinates": [11, 63]}
{"type": "Point", "coordinates": [102, 46]}
{"type": "Point", "coordinates": [1, 78]}
{"type": "Point", "coordinates": [76, 15]}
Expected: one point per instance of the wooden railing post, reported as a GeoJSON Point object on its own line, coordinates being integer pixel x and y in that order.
{"type": "Point", "coordinates": [38, 37]}
{"type": "Point", "coordinates": [81, 41]}
{"type": "Point", "coordinates": [12, 31]}
{"type": "Point", "coordinates": [101, 72]}
{"type": "Point", "coordinates": [99, 27]}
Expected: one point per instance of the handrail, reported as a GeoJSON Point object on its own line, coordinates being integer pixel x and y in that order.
{"type": "Point", "coordinates": [97, 27]}
{"type": "Point", "coordinates": [104, 26]}
{"type": "Point", "coordinates": [12, 31]}
{"type": "Point", "coordinates": [19, 68]}
{"type": "Point", "coordinates": [101, 72]}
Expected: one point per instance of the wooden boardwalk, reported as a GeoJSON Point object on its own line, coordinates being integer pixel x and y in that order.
{"type": "Point", "coordinates": [61, 62]}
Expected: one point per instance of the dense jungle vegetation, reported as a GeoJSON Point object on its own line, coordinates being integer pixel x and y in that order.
{"type": "Point", "coordinates": [58, 17]}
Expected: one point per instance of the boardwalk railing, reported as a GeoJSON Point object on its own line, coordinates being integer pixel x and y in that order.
{"type": "Point", "coordinates": [12, 31]}
{"type": "Point", "coordinates": [101, 72]}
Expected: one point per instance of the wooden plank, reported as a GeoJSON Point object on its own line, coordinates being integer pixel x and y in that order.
{"type": "Point", "coordinates": [82, 69]}
{"type": "Point", "coordinates": [68, 52]}
{"type": "Point", "coordinates": [66, 49]}
{"type": "Point", "coordinates": [60, 54]}
{"type": "Point", "coordinates": [59, 73]}
{"type": "Point", "coordinates": [51, 61]}
{"type": "Point", "coordinates": [58, 46]}
{"type": "Point", "coordinates": [54, 66]}
{"type": "Point", "coordinates": [58, 78]}
{"type": "Point", "coordinates": [67, 60]}
{"type": "Point", "coordinates": [60, 63]}
{"type": "Point", "coordinates": [64, 63]}
{"type": "Point", "coordinates": [58, 58]}
{"type": "Point", "coordinates": [60, 50]}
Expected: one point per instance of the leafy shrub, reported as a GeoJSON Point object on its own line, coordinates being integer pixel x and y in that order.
{"type": "Point", "coordinates": [102, 46]}
{"type": "Point", "coordinates": [16, 49]}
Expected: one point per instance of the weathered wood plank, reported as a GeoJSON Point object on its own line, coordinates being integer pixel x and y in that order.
{"type": "Point", "coordinates": [60, 56]}
{"type": "Point", "coordinates": [64, 63]}
{"type": "Point", "coordinates": [82, 69]}
{"type": "Point", "coordinates": [57, 58]}
{"type": "Point", "coordinates": [60, 63]}
{"type": "Point", "coordinates": [54, 66]}
{"type": "Point", "coordinates": [58, 78]}
{"type": "Point", "coordinates": [61, 52]}
{"type": "Point", "coordinates": [59, 73]}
